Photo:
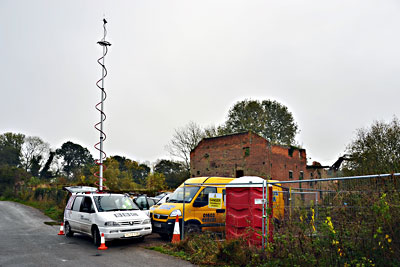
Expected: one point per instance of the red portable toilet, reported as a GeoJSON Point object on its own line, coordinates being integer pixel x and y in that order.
{"type": "Point", "coordinates": [243, 216]}
{"type": "Point", "coordinates": [244, 208]}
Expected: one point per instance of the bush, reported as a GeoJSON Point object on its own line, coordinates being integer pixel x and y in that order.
{"type": "Point", "coordinates": [358, 228]}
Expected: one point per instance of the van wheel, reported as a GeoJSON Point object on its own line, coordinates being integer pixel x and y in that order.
{"type": "Point", "coordinates": [68, 231]}
{"type": "Point", "coordinates": [96, 236]}
{"type": "Point", "coordinates": [192, 229]}
{"type": "Point", "coordinates": [165, 236]}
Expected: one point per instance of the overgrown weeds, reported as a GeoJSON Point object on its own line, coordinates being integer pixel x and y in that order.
{"type": "Point", "coordinates": [364, 233]}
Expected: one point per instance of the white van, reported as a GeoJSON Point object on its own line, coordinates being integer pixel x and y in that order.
{"type": "Point", "coordinates": [115, 215]}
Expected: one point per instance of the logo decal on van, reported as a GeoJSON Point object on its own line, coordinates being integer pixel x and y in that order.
{"type": "Point", "coordinates": [118, 215]}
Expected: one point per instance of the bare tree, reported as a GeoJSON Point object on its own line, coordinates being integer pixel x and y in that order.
{"type": "Point", "coordinates": [375, 149]}
{"type": "Point", "coordinates": [33, 147]}
{"type": "Point", "coordinates": [183, 141]}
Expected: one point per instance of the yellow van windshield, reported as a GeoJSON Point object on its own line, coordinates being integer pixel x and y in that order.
{"type": "Point", "coordinates": [177, 196]}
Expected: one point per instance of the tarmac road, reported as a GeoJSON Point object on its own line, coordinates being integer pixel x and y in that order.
{"type": "Point", "coordinates": [25, 240]}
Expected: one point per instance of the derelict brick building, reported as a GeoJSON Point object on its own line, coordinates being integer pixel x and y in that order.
{"type": "Point", "coordinates": [247, 154]}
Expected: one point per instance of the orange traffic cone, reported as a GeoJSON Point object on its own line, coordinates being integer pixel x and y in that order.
{"type": "Point", "coordinates": [176, 236]}
{"type": "Point", "coordinates": [61, 229]}
{"type": "Point", "coordinates": [103, 243]}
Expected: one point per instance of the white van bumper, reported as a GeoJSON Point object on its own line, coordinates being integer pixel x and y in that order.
{"type": "Point", "coordinates": [125, 232]}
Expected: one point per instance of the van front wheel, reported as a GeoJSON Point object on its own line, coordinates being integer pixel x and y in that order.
{"type": "Point", "coordinates": [96, 236]}
{"type": "Point", "coordinates": [192, 228]}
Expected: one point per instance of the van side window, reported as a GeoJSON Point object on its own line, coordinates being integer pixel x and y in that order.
{"type": "Point", "coordinates": [77, 203]}
{"type": "Point", "coordinates": [141, 202]}
{"type": "Point", "coordinates": [87, 205]}
{"type": "Point", "coordinates": [151, 202]}
{"type": "Point", "coordinates": [203, 196]}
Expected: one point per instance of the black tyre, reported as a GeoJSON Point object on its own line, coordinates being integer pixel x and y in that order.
{"type": "Point", "coordinates": [68, 231]}
{"type": "Point", "coordinates": [140, 239]}
{"type": "Point", "coordinates": [191, 229]}
{"type": "Point", "coordinates": [165, 236]}
{"type": "Point", "coordinates": [96, 236]}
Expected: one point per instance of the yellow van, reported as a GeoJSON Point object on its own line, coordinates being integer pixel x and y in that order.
{"type": "Point", "coordinates": [198, 215]}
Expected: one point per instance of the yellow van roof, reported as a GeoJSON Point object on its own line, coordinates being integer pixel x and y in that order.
{"type": "Point", "coordinates": [211, 180]}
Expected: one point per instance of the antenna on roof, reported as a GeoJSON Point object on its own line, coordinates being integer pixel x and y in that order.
{"type": "Point", "coordinates": [99, 106]}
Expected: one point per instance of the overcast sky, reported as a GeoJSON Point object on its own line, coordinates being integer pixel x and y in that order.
{"type": "Point", "coordinates": [334, 64]}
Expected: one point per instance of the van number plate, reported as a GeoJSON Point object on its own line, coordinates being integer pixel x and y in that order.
{"type": "Point", "coordinates": [132, 234]}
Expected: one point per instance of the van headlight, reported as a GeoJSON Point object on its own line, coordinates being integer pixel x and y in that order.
{"type": "Point", "coordinates": [111, 224]}
{"type": "Point", "coordinates": [146, 221]}
{"type": "Point", "coordinates": [175, 212]}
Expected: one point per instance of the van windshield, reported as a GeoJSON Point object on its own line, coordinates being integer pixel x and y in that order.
{"type": "Point", "coordinates": [114, 203]}
{"type": "Point", "coordinates": [177, 196]}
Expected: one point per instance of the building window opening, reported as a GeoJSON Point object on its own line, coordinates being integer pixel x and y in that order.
{"type": "Point", "coordinates": [290, 151]}
{"type": "Point", "coordinates": [290, 175]}
{"type": "Point", "coordinates": [301, 176]}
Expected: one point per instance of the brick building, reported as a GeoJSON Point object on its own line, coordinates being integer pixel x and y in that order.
{"type": "Point", "coordinates": [248, 154]}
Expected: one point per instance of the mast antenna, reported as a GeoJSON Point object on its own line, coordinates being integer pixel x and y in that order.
{"type": "Point", "coordinates": [100, 106]}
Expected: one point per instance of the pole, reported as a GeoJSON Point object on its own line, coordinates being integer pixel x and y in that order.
{"type": "Point", "coordinates": [101, 121]}
{"type": "Point", "coordinates": [183, 213]}
{"type": "Point", "coordinates": [290, 202]}
{"type": "Point", "coordinates": [263, 216]}
{"type": "Point", "coordinates": [270, 215]}
{"type": "Point", "coordinates": [104, 44]}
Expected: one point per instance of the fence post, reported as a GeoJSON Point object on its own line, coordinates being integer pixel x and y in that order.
{"type": "Point", "coordinates": [183, 213]}
{"type": "Point", "coordinates": [290, 202]}
{"type": "Point", "coordinates": [263, 217]}
{"type": "Point", "coordinates": [270, 215]}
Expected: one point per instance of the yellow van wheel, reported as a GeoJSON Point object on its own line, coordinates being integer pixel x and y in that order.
{"type": "Point", "coordinates": [192, 228]}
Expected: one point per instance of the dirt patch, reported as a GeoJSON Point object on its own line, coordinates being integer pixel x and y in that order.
{"type": "Point", "coordinates": [153, 240]}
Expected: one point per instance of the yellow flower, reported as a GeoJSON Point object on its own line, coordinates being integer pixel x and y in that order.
{"type": "Point", "coordinates": [389, 240]}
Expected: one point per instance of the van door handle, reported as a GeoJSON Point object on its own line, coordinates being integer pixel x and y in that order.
{"type": "Point", "coordinates": [220, 211]}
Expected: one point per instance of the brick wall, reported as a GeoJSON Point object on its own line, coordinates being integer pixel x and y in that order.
{"type": "Point", "coordinates": [246, 154]}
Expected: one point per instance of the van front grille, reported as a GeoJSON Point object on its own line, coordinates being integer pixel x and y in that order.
{"type": "Point", "coordinates": [160, 216]}
{"type": "Point", "coordinates": [130, 223]}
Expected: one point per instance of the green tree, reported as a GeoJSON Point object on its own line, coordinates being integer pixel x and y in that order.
{"type": "Point", "coordinates": [174, 172]}
{"type": "Point", "coordinates": [140, 173]}
{"type": "Point", "coordinates": [156, 182]}
{"type": "Point", "coordinates": [123, 166]}
{"type": "Point", "coordinates": [375, 150]}
{"type": "Point", "coordinates": [10, 148]}
{"type": "Point", "coordinates": [137, 172]}
{"type": "Point", "coordinates": [74, 157]}
{"type": "Point", "coordinates": [35, 165]}
{"type": "Point", "coordinates": [45, 172]}
{"type": "Point", "coordinates": [10, 177]}
{"type": "Point", "coordinates": [267, 118]}
{"type": "Point", "coordinates": [115, 178]}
